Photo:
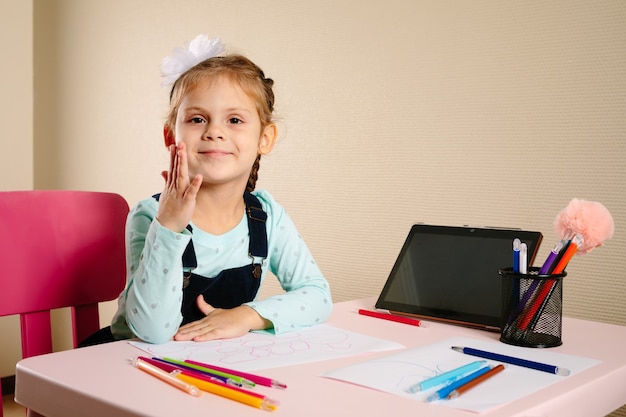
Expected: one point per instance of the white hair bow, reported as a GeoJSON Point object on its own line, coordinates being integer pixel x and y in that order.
{"type": "Point", "coordinates": [182, 59]}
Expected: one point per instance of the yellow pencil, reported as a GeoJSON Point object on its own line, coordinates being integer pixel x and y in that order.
{"type": "Point", "coordinates": [257, 401]}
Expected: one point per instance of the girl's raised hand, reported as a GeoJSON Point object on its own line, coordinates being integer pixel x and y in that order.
{"type": "Point", "coordinates": [178, 199]}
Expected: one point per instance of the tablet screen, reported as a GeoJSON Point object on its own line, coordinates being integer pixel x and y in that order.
{"type": "Point", "coordinates": [451, 274]}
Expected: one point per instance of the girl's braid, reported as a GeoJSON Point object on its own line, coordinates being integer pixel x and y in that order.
{"type": "Point", "coordinates": [254, 174]}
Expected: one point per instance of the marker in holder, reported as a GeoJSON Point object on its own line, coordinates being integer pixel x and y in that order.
{"type": "Point", "coordinates": [532, 308]}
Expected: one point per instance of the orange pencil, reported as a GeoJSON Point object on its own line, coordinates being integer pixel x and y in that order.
{"type": "Point", "coordinates": [471, 384]}
{"type": "Point", "coordinates": [569, 253]}
{"type": "Point", "coordinates": [225, 391]}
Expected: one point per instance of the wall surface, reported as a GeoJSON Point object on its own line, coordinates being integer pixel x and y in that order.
{"type": "Point", "coordinates": [391, 113]}
{"type": "Point", "coordinates": [16, 141]}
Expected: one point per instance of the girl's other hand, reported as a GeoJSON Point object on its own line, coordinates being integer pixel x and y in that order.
{"type": "Point", "coordinates": [221, 323]}
{"type": "Point", "coordinates": [178, 199]}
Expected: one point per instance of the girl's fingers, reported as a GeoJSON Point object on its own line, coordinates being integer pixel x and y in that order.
{"type": "Point", "coordinates": [203, 306]}
{"type": "Point", "coordinates": [177, 171]}
{"type": "Point", "coordinates": [182, 169]}
{"type": "Point", "coordinates": [178, 199]}
{"type": "Point", "coordinates": [172, 164]}
{"type": "Point", "coordinates": [179, 177]}
{"type": "Point", "coordinates": [194, 187]}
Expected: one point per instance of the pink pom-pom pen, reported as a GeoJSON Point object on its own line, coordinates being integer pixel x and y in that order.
{"type": "Point", "coordinates": [590, 224]}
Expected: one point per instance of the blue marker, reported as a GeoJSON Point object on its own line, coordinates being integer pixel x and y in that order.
{"type": "Point", "coordinates": [446, 377]}
{"type": "Point", "coordinates": [513, 360]}
{"type": "Point", "coordinates": [516, 248]}
{"type": "Point", "coordinates": [445, 391]}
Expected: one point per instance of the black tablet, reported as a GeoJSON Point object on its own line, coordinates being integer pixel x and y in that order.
{"type": "Point", "coordinates": [450, 274]}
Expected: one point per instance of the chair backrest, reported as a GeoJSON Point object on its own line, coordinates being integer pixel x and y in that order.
{"type": "Point", "coordinates": [59, 249]}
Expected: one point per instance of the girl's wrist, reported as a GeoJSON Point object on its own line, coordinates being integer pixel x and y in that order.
{"type": "Point", "coordinates": [256, 321]}
{"type": "Point", "coordinates": [171, 226]}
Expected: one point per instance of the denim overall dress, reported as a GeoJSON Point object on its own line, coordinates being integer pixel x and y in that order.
{"type": "Point", "coordinates": [231, 287]}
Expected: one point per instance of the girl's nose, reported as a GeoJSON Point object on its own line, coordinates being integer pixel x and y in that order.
{"type": "Point", "coordinates": [213, 133]}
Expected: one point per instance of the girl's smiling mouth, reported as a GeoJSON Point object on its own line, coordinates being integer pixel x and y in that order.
{"type": "Point", "coordinates": [214, 153]}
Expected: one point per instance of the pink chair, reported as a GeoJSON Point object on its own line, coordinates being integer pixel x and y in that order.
{"type": "Point", "coordinates": [59, 249]}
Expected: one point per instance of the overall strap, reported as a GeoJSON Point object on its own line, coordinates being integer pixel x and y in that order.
{"type": "Point", "coordinates": [258, 232]}
{"type": "Point", "coordinates": [256, 223]}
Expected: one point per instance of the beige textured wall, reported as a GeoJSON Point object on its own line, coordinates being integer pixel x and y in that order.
{"type": "Point", "coordinates": [16, 141]}
{"type": "Point", "coordinates": [446, 112]}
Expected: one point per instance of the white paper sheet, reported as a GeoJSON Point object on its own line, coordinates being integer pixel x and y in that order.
{"type": "Point", "coordinates": [396, 373]}
{"type": "Point", "coordinates": [262, 350]}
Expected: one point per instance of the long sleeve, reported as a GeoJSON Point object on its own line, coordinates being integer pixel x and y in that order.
{"type": "Point", "coordinates": [150, 304]}
{"type": "Point", "coordinates": [307, 298]}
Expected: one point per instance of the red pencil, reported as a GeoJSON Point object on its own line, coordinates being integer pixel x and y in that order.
{"type": "Point", "coordinates": [391, 317]}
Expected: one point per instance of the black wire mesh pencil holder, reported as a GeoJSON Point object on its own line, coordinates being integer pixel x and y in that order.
{"type": "Point", "coordinates": [532, 308]}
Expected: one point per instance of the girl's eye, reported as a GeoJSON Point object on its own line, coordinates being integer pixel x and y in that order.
{"type": "Point", "coordinates": [235, 121]}
{"type": "Point", "coordinates": [196, 120]}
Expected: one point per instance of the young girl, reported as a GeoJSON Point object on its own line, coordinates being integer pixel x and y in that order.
{"type": "Point", "coordinates": [198, 252]}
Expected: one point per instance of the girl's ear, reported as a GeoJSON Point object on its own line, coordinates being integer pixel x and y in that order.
{"type": "Point", "coordinates": [268, 139]}
{"type": "Point", "coordinates": [168, 136]}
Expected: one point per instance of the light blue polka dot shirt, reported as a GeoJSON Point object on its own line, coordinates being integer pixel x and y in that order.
{"type": "Point", "coordinates": [149, 306]}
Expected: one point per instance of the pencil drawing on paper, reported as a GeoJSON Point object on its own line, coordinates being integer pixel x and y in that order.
{"type": "Point", "coordinates": [403, 374]}
{"type": "Point", "coordinates": [259, 350]}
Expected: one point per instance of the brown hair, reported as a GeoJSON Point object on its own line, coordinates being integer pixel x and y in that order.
{"type": "Point", "coordinates": [240, 70]}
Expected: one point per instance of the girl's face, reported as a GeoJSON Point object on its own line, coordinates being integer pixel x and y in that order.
{"type": "Point", "coordinates": [221, 128]}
